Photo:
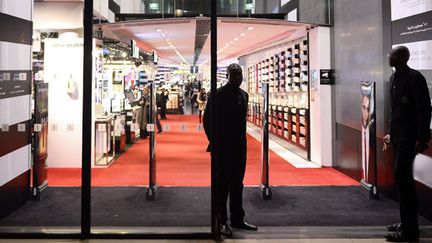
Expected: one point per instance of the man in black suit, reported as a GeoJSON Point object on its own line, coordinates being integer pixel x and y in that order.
{"type": "Point", "coordinates": [409, 136]}
{"type": "Point", "coordinates": [230, 148]}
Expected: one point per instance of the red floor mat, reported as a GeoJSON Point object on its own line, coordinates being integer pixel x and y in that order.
{"type": "Point", "coordinates": [182, 161]}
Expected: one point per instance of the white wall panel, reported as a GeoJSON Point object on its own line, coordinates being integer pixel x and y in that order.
{"type": "Point", "coordinates": [18, 8]}
{"type": "Point", "coordinates": [15, 56]}
{"type": "Point", "coordinates": [15, 110]}
{"type": "Point", "coordinates": [63, 71]}
{"type": "Point", "coordinates": [14, 164]}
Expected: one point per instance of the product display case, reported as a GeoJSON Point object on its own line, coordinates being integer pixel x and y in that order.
{"type": "Point", "coordinates": [175, 102]}
{"type": "Point", "coordinates": [104, 141]}
{"type": "Point", "coordinates": [287, 73]}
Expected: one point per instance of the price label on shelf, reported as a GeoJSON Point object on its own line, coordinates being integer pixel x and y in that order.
{"type": "Point", "coordinates": [150, 127]}
{"type": "Point", "coordinates": [54, 127]}
{"type": "Point", "coordinates": [5, 127]}
{"type": "Point", "coordinates": [22, 127]}
{"type": "Point", "coordinates": [183, 127]}
{"type": "Point", "coordinates": [37, 127]}
{"type": "Point", "coordinates": [70, 127]}
{"type": "Point", "coordinates": [199, 127]}
{"type": "Point", "coordinates": [167, 127]}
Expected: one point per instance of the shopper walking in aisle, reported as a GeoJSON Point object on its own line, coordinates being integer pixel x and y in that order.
{"type": "Point", "coordinates": [230, 148]}
{"type": "Point", "coordinates": [201, 100]}
{"type": "Point", "coordinates": [409, 135]}
{"type": "Point", "coordinates": [163, 105]}
{"type": "Point", "coordinates": [143, 112]}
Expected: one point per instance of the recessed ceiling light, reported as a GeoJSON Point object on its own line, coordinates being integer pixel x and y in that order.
{"type": "Point", "coordinates": [167, 39]}
{"type": "Point", "coordinates": [236, 39]}
{"type": "Point", "coordinates": [158, 29]}
{"type": "Point", "coordinates": [242, 34]}
{"type": "Point", "coordinates": [231, 42]}
{"type": "Point", "coordinates": [163, 35]}
{"type": "Point", "coordinates": [250, 28]}
{"type": "Point", "coordinates": [226, 45]}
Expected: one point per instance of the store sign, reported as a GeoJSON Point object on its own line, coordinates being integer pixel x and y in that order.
{"type": "Point", "coordinates": [154, 6]}
{"type": "Point", "coordinates": [327, 76]}
{"type": "Point", "coordinates": [412, 27]}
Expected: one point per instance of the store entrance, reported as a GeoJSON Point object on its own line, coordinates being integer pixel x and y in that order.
{"type": "Point", "coordinates": [152, 81]}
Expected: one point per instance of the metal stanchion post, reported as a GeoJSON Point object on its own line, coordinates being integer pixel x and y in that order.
{"type": "Point", "coordinates": [152, 189]}
{"type": "Point", "coordinates": [265, 190]}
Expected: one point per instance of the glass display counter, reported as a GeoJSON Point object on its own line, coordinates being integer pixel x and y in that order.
{"type": "Point", "coordinates": [104, 141]}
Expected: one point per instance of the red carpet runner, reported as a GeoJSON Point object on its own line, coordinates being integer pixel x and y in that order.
{"type": "Point", "coordinates": [182, 161]}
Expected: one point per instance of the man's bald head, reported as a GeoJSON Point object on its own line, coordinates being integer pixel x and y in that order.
{"type": "Point", "coordinates": [399, 56]}
{"type": "Point", "coordinates": [235, 74]}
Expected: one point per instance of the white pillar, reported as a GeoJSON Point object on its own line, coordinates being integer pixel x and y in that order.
{"type": "Point", "coordinates": [321, 119]}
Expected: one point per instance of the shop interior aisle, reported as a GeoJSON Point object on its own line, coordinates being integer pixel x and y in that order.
{"type": "Point", "coordinates": [182, 160]}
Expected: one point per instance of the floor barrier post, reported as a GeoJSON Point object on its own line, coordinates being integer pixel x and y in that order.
{"type": "Point", "coordinates": [152, 189]}
{"type": "Point", "coordinates": [265, 190]}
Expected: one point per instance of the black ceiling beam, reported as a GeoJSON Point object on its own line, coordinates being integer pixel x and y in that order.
{"type": "Point", "coordinates": [138, 16]}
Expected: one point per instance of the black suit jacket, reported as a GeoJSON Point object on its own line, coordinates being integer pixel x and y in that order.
{"type": "Point", "coordinates": [411, 107]}
{"type": "Point", "coordinates": [231, 110]}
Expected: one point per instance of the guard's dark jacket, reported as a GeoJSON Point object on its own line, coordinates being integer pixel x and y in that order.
{"type": "Point", "coordinates": [411, 107]}
{"type": "Point", "coordinates": [231, 110]}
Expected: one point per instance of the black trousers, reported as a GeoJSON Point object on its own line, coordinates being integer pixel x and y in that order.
{"type": "Point", "coordinates": [404, 177]}
{"type": "Point", "coordinates": [231, 173]}
{"type": "Point", "coordinates": [163, 111]}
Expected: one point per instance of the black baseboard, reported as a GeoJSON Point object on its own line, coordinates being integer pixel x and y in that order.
{"type": "Point", "coordinates": [14, 194]}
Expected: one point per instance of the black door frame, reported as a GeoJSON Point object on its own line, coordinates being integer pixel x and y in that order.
{"type": "Point", "coordinates": [86, 232]}
{"type": "Point", "coordinates": [86, 150]}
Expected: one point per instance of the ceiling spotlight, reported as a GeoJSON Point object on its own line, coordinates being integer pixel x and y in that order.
{"type": "Point", "coordinates": [163, 35]}
{"type": "Point", "coordinates": [236, 39]}
{"type": "Point", "coordinates": [171, 46]}
{"type": "Point", "coordinates": [242, 34]}
{"type": "Point", "coordinates": [250, 28]}
{"type": "Point", "coordinates": [158, 29]}
{"type": "Point", "coordinates": [231, 42]}
{"type": "Point", "coordinates": [167, 39]}
{"type": "Point", "coordinates": [226, 45]}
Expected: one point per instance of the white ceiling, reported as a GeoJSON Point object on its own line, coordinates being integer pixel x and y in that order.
{"type": "Point", "coordinates": [174, 42]}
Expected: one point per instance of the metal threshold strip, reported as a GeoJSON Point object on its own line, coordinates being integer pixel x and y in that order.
{"type": "Point", "coordinates": [265, 232]}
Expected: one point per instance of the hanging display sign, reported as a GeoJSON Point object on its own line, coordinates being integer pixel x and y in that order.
{"type": "Point", "coordinates": [135, 51]}
{"type": "Point", "coordinates": [368, 138]}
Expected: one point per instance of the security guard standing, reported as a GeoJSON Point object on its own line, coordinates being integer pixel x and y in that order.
{"type": "Point", "coordinates": [409, 136]}
{"type": "Point", "coordinates": [230, 148]}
